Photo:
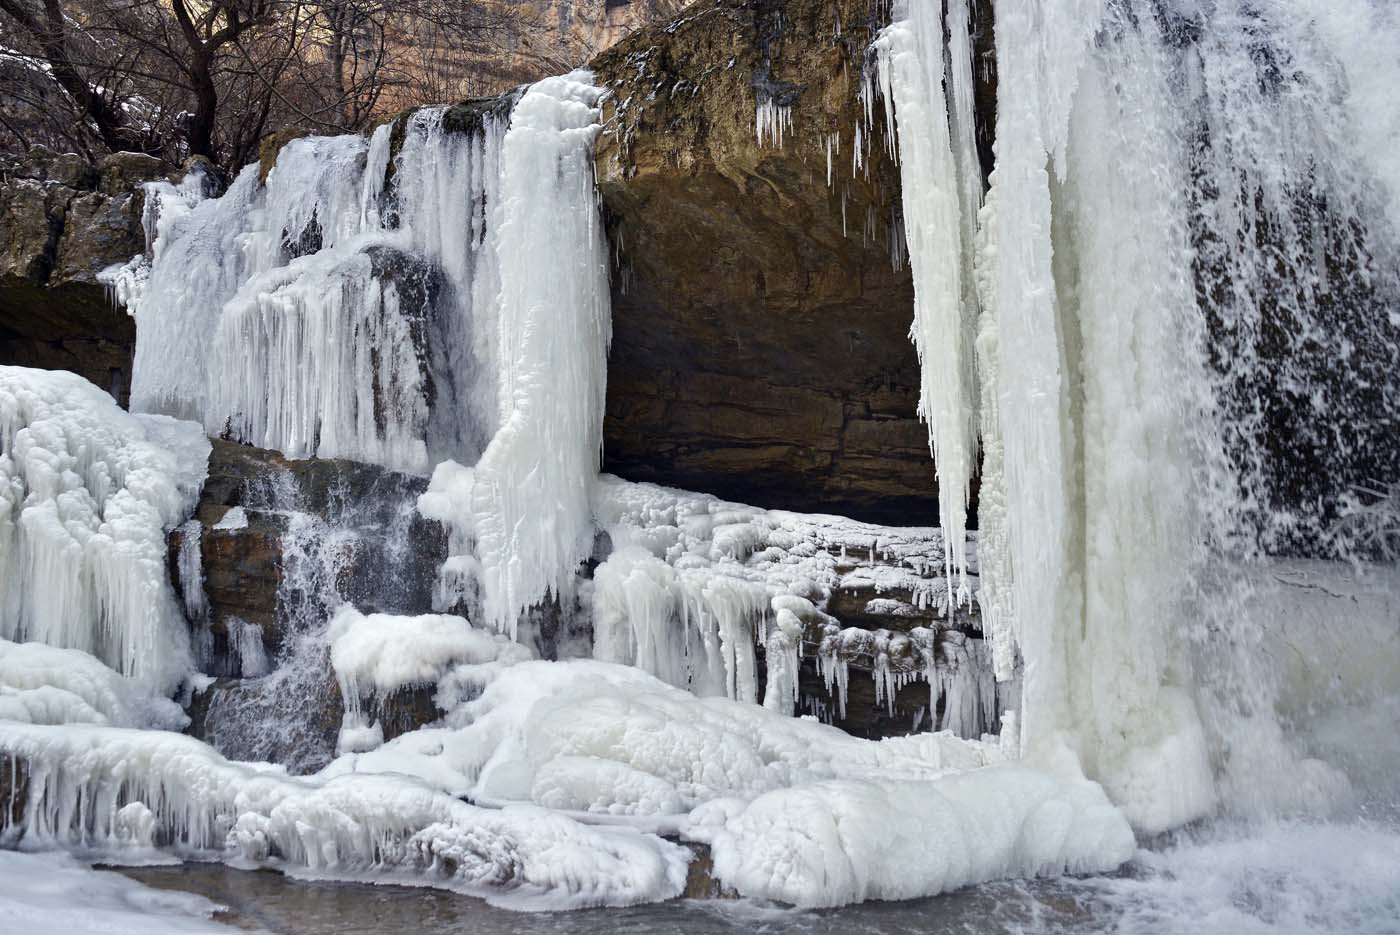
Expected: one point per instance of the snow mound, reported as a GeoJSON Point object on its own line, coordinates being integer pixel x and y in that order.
{"type": "Point", "coordinates": [383, 653]}
{"type": "Point", "coordinates": [834, 843]}
{"type": "Point", "coordinates": [377, 655]}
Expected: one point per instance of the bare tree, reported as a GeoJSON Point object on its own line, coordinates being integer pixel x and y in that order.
{"type": "Point", "coordinates": [216, 77]}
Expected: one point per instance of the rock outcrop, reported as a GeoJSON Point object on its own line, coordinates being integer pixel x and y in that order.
{"type": "Point", "coordinates": [62, 221]}
{"type": "Point", "coordinates": [761, 316]}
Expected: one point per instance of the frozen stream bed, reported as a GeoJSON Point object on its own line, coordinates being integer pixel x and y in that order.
{"type": "Point", "coordinates": [1280, 878]}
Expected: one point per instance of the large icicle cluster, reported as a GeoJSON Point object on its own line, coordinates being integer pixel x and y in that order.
{"type": "Point", "coordinates": [323, 314]}
{"type": "Point", "coordinates": [941, 182]}
{"type": "Point", "coordinates": [87, 493]}
{"type": "Point", "coordinates": [530, 508]}
{"type": "Point", "coordinates": [520, 519]}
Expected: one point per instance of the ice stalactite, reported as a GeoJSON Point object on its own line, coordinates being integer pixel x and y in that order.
{"type": "Point", "coordinates": [246, 649]}
{"type": "Point", "coordinates": [941, 193]}
{"type": "Point", "coordinates": [447, 186]}
{"type": "Point", "coordinates": [995, 593]}
{"type": "Point", "coordinates": [531, 516]}
{"type": "Point", "coordinates": [87, 494]}
{"type": "Point", "coordinates": [772, 121]}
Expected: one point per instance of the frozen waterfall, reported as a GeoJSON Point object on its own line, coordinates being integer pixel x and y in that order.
{"type": "Point", "coordinates": [455, 307]}
{"type": "Point", "coordinates": [1157, 349]}
{"type": "Point", "coordinates": [1186, 219]}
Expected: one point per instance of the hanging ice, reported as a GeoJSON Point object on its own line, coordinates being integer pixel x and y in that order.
{"type": "Point", "coordinates": [942, 193]}
{"type": "Point", "coordinates": [1157, 211]}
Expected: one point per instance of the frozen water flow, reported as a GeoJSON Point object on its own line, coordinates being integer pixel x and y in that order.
{"type": "Point", "coordinates": [87, 494]}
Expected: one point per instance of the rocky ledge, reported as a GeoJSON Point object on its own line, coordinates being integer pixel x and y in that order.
{"type": "Point", "coordinates": [62, 221]}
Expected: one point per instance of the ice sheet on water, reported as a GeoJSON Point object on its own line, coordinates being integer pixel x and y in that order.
{"type": "Point", "coordinates": [54, 894]}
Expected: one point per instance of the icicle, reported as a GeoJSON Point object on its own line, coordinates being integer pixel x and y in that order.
{"type": "Point", "coordinates": [783, 653]}
{"type": "Point", "coordinates": [936, 188]}
{"type": "Point", "coordinates": [771, 121]}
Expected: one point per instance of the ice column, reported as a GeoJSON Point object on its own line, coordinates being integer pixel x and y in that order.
{"type": "Point", "coordinates": [941, 191]}
{"type": "Point", "coordinates": [530, 499]}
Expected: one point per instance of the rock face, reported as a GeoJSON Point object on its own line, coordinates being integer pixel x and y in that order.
{"type": "Point", "coordinates": [365, 510]}
{"type": "Point", "coordinates": [281, 542]}
{"type": "Point", "coordinates": [760, 324]}
{"type": "Point", "coordinates": [63, 220]}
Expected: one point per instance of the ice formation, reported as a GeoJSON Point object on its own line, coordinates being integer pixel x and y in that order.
{"type": "Point", "coordinates": [942, 194]}
{"type": "Point", "coordinates": [42, 684]}
{"type": "Point", "coordinates": [530, 508]}
{"type": "Point", "coordinates": [761, 787]}
{"type": "Point", "coordinates": [1141, 149]}
{"type": "Point", "coordinates": [87, 493]}
{"type": "Point", "coordinates": [126, 792]}
{"type": "Point", "coordinates": [377, 655]}
{"type": "Point", "coordinates": [694, 584]}
{"type": "Point", "coordinates": [406, 322]}
{"type": "Point", "coordinates": [1182, 230]}
{"type": "Point", "coordinates": [772, 120]}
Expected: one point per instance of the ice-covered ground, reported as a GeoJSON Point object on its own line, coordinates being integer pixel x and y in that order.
{"type": "Point", "coordinates": [54, 894]}
{"type": "Point", "coordinates": [583, 764]}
